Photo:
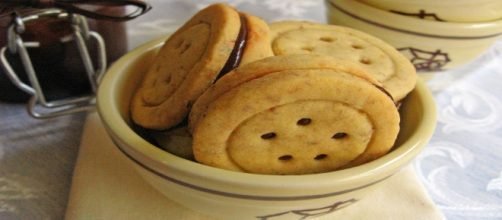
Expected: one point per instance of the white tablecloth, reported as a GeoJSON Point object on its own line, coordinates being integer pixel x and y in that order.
{"type": "Point", "coordinates": [461, 167]}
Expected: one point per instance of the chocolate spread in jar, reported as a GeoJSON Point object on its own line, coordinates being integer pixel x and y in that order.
{"type": "Point", "coordinates": [57, 62]}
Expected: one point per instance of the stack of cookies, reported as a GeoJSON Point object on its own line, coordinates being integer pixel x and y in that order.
{"type": "Point", "coordinates": [284, 98]}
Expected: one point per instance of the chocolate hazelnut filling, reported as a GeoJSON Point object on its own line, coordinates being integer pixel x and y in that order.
{"type": "Point", "coordinates": [398, 104]}
{"type": "Point", "coordinates": [236, 54]}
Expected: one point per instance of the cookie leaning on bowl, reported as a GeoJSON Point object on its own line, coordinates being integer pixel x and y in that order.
{"type": "Point", "coordinates": [213, 42]}
{"type": "Point", "coordinates": [382, 61]}
{"type": "Point", "coordinates": [293, 114]}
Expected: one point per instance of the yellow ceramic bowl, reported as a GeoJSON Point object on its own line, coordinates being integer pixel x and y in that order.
{"type": "Point", "coordinates": [431, 46]}
{"type": "Point", "coordinates": [444, 10]}
{"type": "Point", "coordinates": [234, 195]}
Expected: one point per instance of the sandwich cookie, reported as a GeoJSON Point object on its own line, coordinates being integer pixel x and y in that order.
{"type": "Point", "coordinates": [214, 41]}
{"type": "Point", "coordinates": [294, 114]}
{"type": "Point", "coordinates": [394, 71]}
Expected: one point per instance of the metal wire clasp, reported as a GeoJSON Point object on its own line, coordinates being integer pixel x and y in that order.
{"type": "Point", "coordinates": [38, 105]}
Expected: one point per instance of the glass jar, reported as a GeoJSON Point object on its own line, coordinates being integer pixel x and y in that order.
{"type": "Point", "coordinates": [56, 60]}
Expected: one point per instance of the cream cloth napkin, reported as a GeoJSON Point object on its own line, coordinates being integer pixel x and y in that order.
{"type": "Point", "coordinates": [105, 186]}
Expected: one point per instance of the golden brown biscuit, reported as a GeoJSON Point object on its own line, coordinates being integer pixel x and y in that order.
{"type": "Point", "coordinates": [214, 41]}
{"type": "Point", "coordinates": [291, 117]}
{"type": "Point", "coordinates": [270, 65]}
{"type": "Point", "coordinates": [385, 63]}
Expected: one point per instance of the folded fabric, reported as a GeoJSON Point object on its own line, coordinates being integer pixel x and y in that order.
{"type": "Point", "coordinates": [105, 186]}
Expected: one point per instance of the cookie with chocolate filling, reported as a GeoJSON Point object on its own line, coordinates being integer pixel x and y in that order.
{"type": "Point", "coordinates": [214, 41]}
{"type": "Point", "coordinates": [382, 61]}
{"type": "Point", "coordinates": [293, 114]}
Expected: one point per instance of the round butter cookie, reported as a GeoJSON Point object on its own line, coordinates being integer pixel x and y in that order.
{"type": "Point", "coordinates": [385, 63]}
{"type": "Point", "coordinates": [292, 117]}
{"type": "Point", "coordinates": [214, 41]}
{"type": "Point", "coordinates": [270, 65]}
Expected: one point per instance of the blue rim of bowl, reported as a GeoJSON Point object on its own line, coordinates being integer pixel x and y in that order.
{"type": "Point", "coordinates": [341, 9]}
{"type": "Point", "coordinates": [113, 122]}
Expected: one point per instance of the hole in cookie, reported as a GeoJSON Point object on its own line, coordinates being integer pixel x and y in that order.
{"type": "Point", "coordinates": [327, 39]}
{"type": "Point", "coordinates": [365, 61]}
{"type": "Point", "coordinates": [320, 156]}
{"type": "Point", "coordinates": [355, 46]}
{"type": "Point", "coordinates": [304, 121]}
{"type": "Point", "coordinates": [285, 157]}
{"type": "Point", "coordinates": [310, 49]}
{"type": "Point", "coordinates": [339, 135]}
{"type": "Point", "coordinates": [167, 80]}
{"type": "Point", "coordinates": [185, 48]}
{"type": "Point", "coordinates": [269, 135]}
{"type": "Point", "coordinates": [179, 44]}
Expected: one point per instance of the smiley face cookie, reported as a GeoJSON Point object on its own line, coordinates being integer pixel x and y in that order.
{"type": "Point", "coordinates": [214, 41]}
{"type": "Point", "coordinates": [294, 118]}
{"type": "Point", "coordinates": [382, 61]}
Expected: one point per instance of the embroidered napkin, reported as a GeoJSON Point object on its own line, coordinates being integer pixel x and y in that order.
{"type": "Point", "coordinates": [105, 186]}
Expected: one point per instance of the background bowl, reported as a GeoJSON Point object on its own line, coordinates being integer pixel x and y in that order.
{"type": "Point", "coordinates": [234, 195]}
{"type": "Point", "coordinates": [431, 46]}
{"type": "Point", "coordinates": [444, 10]}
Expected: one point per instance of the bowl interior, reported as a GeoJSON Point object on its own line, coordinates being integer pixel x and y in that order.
{"type": "Point", "coordinates": [122, 79]}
